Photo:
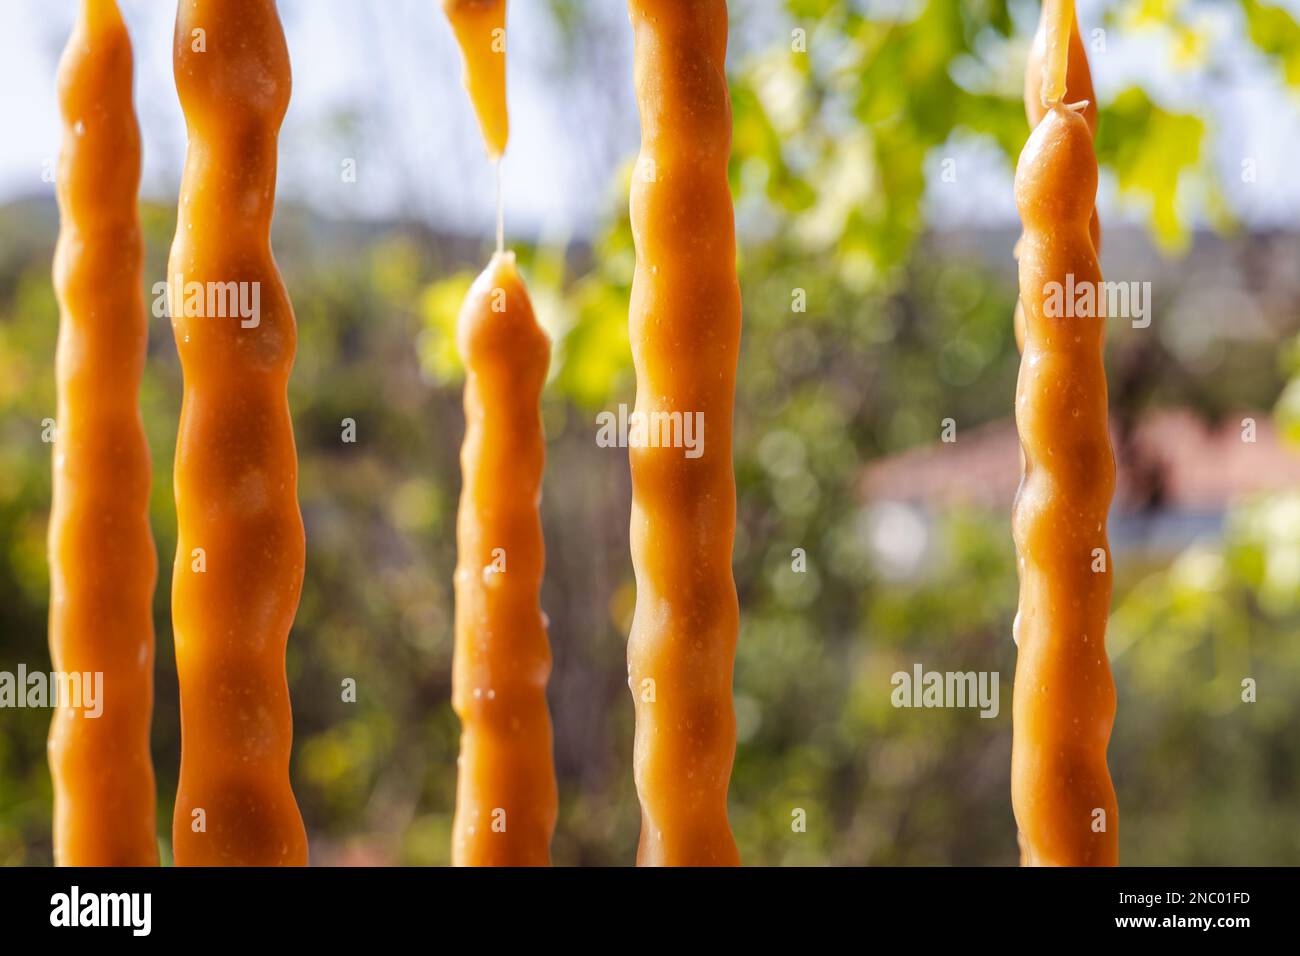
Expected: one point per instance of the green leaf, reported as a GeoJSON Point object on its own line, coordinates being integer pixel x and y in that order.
{"type": "Point", "coordinates": [1152, 151]}
{"type": "Point", "coordinates": [439, 308]}
{"type": "Point", "coordinates": [1277, 35]}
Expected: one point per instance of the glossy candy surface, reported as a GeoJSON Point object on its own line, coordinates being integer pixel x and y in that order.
{"type": "Point", "coordinates": [685, 334]}
{"type": "Point", "coordinates": [240, 551]}
{"type": "Point", "coordinates": [102, 561]}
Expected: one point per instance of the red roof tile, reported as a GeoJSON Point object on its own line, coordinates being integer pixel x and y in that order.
{"type": "Point", "coordinates": [1173, 459]}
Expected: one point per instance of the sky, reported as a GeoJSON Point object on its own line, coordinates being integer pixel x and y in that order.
{"type": "Point", "coordinates": [377, 82]}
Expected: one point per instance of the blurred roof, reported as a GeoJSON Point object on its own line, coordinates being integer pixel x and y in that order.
{"type": "Point", "coordinates": [1170, 459]}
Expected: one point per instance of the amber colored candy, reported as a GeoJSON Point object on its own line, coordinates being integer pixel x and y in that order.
{"type": "Point", "coordinates": [1078, 89]}
{"type": "Point", "coordinates": [684, 327]}
{"type": "Point", "coordinates": [506, 792]}
{"type": "Point", "coordinates": [102, 561]}
{"type": "Point", "coordinates": [480, 27]}
{"type": "Point", "coordinates": [1064, 699]}
{"type": "Point", "coordinates": [240, 549]}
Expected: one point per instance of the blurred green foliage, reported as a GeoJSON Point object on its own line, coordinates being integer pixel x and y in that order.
{"type": "Point", "coordinates": [832, 157]}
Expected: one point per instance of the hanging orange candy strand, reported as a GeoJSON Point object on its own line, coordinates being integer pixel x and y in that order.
{"type": "Point", "coordinates": [1064, 700]}
{"type": "Point", "coordinates": [102, 561]}
{"type": "Point", "coordinates": [1078, 90]}
{"type": "Point", "coordinates": [480, 28]}
{"type": "Point", "coordinates": [685, 332]}
{"type": "Point", "coordinates": [506, 795]}
{"type": "Point", "coordinates": [240, 547]}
